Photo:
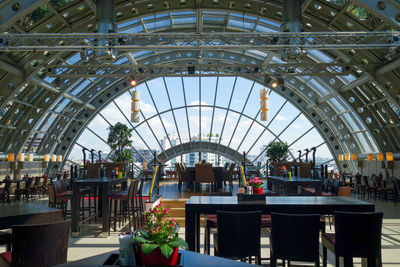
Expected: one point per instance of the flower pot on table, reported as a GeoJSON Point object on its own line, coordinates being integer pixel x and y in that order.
{"type": "Point", "coordinates": [156, 258]}
{"type": "Point", "coordinates": [257, 190]}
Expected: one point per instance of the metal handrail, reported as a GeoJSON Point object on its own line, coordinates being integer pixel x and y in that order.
{"type": "Point", "coordinates": [153, 181]}
{"type": "Point", "coordinates": [243, 175]}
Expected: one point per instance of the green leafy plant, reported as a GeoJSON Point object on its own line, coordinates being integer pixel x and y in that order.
{"type": "Point", "coordinates": [277, 151]}
{"type": "Point", "coordinates": [160, 231]}
{"type": "Point", "coordinates": [118, 139]}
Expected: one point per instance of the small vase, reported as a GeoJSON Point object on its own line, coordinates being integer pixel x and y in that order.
{"type": "Point", "coordinates": [257, 190]}
{"type": "Point", "coordinates": [156, 258]}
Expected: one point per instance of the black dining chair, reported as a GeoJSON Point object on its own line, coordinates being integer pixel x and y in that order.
{"type": "Point", "coordinates": [295, 237]}
{"type": "Point", "coordinates": [239, 235]}
{"type": "Point", "coordinates": [357, 234]}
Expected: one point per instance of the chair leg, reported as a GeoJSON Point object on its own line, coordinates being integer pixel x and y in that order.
{"type": "Point", "coordinates": [337, 263]}
{"type": "Point", "coordinates": [324, 256]}
{"type": "Point", "coordinates": [273, 262]}
{"type": "Point", "coordinates": [207, 240]}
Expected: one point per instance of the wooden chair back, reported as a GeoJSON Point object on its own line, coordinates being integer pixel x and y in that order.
{"type": "Point", "coordinates": [239, 234]}
{"type": "Point", "coordinates": [52, 194]}
{"type": "Point", "coordinates": [295, 237]}
{"type": "Point", "coordinates": [40, 245]}
{"type": "Point", "coordinates": [360, 238]}
{"type": "Point", "coordinates": [204, 173]}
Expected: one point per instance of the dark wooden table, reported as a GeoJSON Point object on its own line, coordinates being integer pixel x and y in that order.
{"type": "Point", "coordinates": [105, 186]}
{"type": "Point", "coordinates": [28, 214]}
{"type": "Point", "coordinates": [291, 186]}
{"type": "Point", "coordinates": [190, 259]}
{"type": "Point", "coordinates": [197, 205]}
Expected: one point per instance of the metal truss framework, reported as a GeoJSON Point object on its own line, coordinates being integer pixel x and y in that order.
{"type": "Point", "coordinates": [198, 41]}
{"type": "Point", "coordinates": [374, 86]}
{"type": "Point", "coordinates": [177, 70]}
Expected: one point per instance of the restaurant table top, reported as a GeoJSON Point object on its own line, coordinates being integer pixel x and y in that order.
{"type": "Point", "coordinates": [280, 200]}
{"type": "Point", "coordinates": [27, 214]}
{"type": "Point", "coordinates": [190, 259]}
{"type": "Point", "coordinates": [293, 179]}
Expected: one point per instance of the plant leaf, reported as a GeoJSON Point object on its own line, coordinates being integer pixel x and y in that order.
{"type": "Point", "coordinates": [140, 239]}
{"type": "Point", "coordinates": [166, 250]}
{"type": "Point", "coordinates": [144, 234]}
{"type": "Point", "coordinates": [178, 242]}
{"type": "Point", "coordinates": [147, 248]}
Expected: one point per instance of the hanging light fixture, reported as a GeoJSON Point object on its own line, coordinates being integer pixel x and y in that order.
{"type": "Point", "coordinates": [10, 157]}
{"type": "Point", "coordinates": [59, 158]}
{"type": "Point", "coordinates": [389, 156]}
{"type": "Point", "coordinates": [379, 157]}
{"type": "Point", "coordinates": [353, 156]}
{"type": "Point", "coordinates": [370, 157]}
{"type": "Point", "coordinates": [347, 156]}
{"type": "Point", "coordinates": [30, 157]}
{"type": "Point", "coordinates": [53, 158]}
{"type": "Point", "coordinates": [340, 157]}
{"type": "Point", "coordinates": [21, 157]}
{"type": "Point", "coordinates": [264, 104]}
{"type": "Point", "coordinates": [46, 158]}
{"type": "Point", "coordinates": [135, 102]}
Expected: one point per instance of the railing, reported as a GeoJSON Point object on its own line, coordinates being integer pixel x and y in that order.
{"type": "Point", "coordinates": [154, 191]}
{"type": "Point", "coordinates": [243, 181]}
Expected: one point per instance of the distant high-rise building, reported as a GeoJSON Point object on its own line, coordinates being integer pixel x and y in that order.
{"type": "Point", "coordinates": [190, 159]}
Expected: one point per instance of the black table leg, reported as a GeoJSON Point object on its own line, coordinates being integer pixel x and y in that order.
{"type": "Point", "coordinates": [105, 207]}
{"type": "Point", "coordinates": [190, 229]}
{"type": "Point", "coordinates": [75, 211]}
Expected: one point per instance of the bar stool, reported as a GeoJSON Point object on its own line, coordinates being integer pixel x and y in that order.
{"type": "Point", "coordinates": [127, 205]}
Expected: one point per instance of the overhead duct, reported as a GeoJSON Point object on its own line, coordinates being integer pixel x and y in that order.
{"type": "Point", "coordinates": [292, 22]}
{"type": "Point", "coordinates": [105, 23]}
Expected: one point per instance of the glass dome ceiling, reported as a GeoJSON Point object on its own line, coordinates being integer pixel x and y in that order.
{"type": "Point", "coordinates": [357, 113]}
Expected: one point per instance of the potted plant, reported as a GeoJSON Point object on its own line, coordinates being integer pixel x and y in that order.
{"type": "Point", "coordinates": [158, 244]}
{"type": "Point", "coordinates": [119, 139]}
{"type": "Point", "coordinates": [277, 151]}
{"type": "Point", "coordinates": [256, 185]}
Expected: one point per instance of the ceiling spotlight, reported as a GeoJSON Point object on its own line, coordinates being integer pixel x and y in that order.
{"type": "Point", "coordinates": [57, 82]}
{"type": "Point", "coordinates": [267, 80]}
{"type": "Point", "coordinates": [256, 69]}
{"type": "Point", "coordinates": [84, 55]}
{"type": "Point", "coordinates": [274, 84]}
{"type": "Point", "coordinates": [133, 82]}
{"type": "Point", "coordinates": [191, 69]}
{"type": "Point", "coordinates": [281, 81]}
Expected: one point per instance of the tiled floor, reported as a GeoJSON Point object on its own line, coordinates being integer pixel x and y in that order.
{"type": "Point", "coordinates": [89, 244]}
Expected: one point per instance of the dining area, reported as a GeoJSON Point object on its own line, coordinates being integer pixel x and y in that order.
{"type": "Point", "coordinates": [295, 225]}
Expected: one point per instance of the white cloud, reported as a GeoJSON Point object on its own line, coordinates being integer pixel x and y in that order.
{"type": "Point", "coordinates": [280, 118]}
{"type": "Point", "coordinates": [196, 102]}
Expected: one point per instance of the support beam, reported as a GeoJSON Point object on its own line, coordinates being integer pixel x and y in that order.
{"type": "Point", "coordinates": [11, 68]}
{"type": "Point", "coordinates": [91, 5]}
{"type": "Point", "coordinates": [131, 58]}
{"type": "Point", "coordinates": [388, 67]}
{"type": "Point", "coordinates": [361, 80]}
{"type": "Point", "coordinates": [48, 86]}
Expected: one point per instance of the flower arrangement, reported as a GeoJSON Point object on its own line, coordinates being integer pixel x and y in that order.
{"type": "Point", "coordinates": [161, 231]}
{"type": "Point", "coordinates": [256, 182]}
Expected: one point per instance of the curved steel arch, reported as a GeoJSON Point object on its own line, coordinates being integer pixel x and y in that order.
{"type": "Point", "coordinates": [115, 93]}
{"type": "Point", "coordinates": [250, 11]}
{"type": "Point", "coordinates": [21, 144]}
{"type": "Point", "coordinates": [185, 148]}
